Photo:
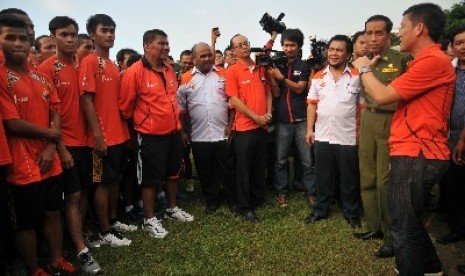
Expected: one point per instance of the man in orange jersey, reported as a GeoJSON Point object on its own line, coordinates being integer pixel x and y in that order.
{"type": "Point", "coordinates": [202, 94]}
{"type": "Point", "coordinates": [418, 140]}
{"type": "Point", "coordinates": [63, 70]}
{"type": "Point", "coordinates": [246, 85]}
{"type": "Point", "coordinates": [29, 106]}
{"type": "Point", "coordinates": [45, 47]}
{"type": "Point", "coordinates": [85, 46]}
{"type": "Point", "coordinates": [107, 131]}
{"type": "Point", "coordinates": [148, 96]}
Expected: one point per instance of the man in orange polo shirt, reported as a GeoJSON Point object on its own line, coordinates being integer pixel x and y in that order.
{"type": "Point", "coordinates": [148, 96]}
{"type": "Point", "coordinates": [418, 142]}
{"type": "Point", "coordinates": [29, 106]}
{"type": "Point", "coordinates": [246, 85]}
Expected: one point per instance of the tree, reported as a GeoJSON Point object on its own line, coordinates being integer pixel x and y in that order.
{"type": "Point", "coordinates": [454, 17]}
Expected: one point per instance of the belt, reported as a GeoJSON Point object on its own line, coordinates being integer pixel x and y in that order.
{"type": "Point", "coordinates": [380, 111]}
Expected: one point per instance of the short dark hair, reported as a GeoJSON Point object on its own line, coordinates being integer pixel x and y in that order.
{"type": "Point", "coordinates": [150, 35]}
{"type": "Point", "coordinates": [9, 20]}
{"type": "Point", "coordinates": [228, 48]}
{"type": "Point", "coordinates": [346, 39]}
{"type": "Point", "coordinates": [82, 37]}
{"type": "Point", "coordinates": [186, 53]}
{"type": "Point", "coordinates": [219, 52]}
{"type": "Point", "coordinates": [379, 17]}
{"type": "Point", "coordinates": [444, 44]}
{"type": "Point", "coordinates": [429, 14]}
{"type": "Point", "coordinates": [12, 11]}
{"type": "Point", "coordinates": [59, 22]}
{"type": "Point", "coordinates": [38, 42]}
{"type": "Point", "coordinates": [94, 20]}
{"type": "Point", "coordinates": [231, 41]}
{"type": "Point", "coordinates": [293, 35]}
{"type": "Point", "coordinates": [457, 30]}
{"type": "Point", "coordinates": [357, 35]}
{"type": "Point", "coordinates": [133, 59]}
{"type": "Point", "coordinates": [121, 53]}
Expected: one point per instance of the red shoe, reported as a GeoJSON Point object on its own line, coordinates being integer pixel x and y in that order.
{"type": "Point", "coordinates": [63, 267]}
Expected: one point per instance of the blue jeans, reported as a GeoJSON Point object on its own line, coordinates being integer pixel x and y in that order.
{"type": "Point", "coordinates": [411, 179]}
{"type": "Point", "coordinates": [285, 134]}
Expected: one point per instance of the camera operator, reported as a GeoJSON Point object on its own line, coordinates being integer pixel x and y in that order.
{"type": "Point", "coordinates": [291, 111]}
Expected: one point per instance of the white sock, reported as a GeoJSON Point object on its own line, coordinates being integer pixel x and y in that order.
{"type": "Point", "coordinates": [129, 208]}
{"type": "Point", "coordinates": [85, 250]}
{"type": "Point", "coordinates": [160, 195]}
{"type": "Point", "coordinates": [140, 203]}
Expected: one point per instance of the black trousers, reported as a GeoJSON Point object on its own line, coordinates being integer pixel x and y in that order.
{"type": "Point", "coordinates": [454, 188]}
{"type": "Point", "coordinates": [250, 147]}
{"type": "Point", "coordinates": [215, 165]}
{"type": "Point", "coordinates": [344, 159]}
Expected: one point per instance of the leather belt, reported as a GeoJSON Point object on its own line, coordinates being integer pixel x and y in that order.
{"type": "Point", "coordinates": [380, 111]}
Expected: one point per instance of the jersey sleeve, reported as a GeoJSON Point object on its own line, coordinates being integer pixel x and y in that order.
{"type": "Point", "coordinates": [128, 92]}
{"type": "Point", "coordinates": [87, 75]}
{"type": "Point", "coordinates": [232, 88]}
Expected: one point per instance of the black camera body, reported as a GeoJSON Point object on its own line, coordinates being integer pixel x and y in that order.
{"type": "Point", "coordinates": [266, 57]}
{"type": "Point", "coordinates": [270, 24]}
{"type": "Point", "coordinates": [318, 49]}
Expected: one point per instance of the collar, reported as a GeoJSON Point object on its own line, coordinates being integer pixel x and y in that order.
{"type": "Point", "coordinates": [146, 64]}
{"type": "Point", "coordinates": [427, 50]}
{"type": "Point", "coordinates": [346, 70]}
{"type": "Point", "coordinates": [194, 70]}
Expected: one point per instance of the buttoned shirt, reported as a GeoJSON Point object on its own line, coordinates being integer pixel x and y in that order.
{"type": "Point", "coordinates": [204, 97]}
{"type": "Point", "coordinates": [457, 115]}
{"type": "Point", "coordinates": [337, 105]}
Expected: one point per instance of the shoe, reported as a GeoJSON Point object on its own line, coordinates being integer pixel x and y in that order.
{"type": "Point", "coordinates": [312, 218]}
{"type": "Point", "coordinates": [311, 200]}
{"type": "Point", "coordinates": [88, 264]}
{"type": "Point", "coordinates": [461, 269]}
{"type": "Point", "coordinates": [375, 235]}
{"type": "Point", "coordinates": [190, 186]}
{"type": "Point", "coordinates": [354, 222]}
{"type": "Point", "coordinates": [154, 228]}
{"type": "Point", "coordinates": [63, 267]}
{"type": "Point", "coordinates": [385, 251]}
{"type": "Point", "coordinates": [91, 241]}
{"type": "Point", "coordinates": [251, 217]}
{"type": "Point", "coordinates": [114, 239]}
{"type": "Point", "coordinates": [282, 200]}
{"type": "Point", "coordinates": [135, 216]}
{"type": "Point", "coordinates": [123, 227]}
{"type": "Point", "coordinates": [40, 272]}
{"type": "Point", "coordinates": [449, 238]}
{"type": "Point", "coordinates": [179, 214]}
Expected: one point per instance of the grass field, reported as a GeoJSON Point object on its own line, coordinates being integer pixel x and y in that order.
{"type": "Point", "coordinates": [222, 244]}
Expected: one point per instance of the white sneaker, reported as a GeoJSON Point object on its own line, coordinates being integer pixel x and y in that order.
{"type": "Point", "coordinates": [155, 229]}
{"type": "Point", "coordinates": [91, 241]}
{"type": "Point", "coordinates": [88, 264]}
{"type": "Point", "coordinates": [123, 227]}
{"type": "Point", "coordinates": [114, 239]}
{"type": "Point", "coordinates": [179, 214]}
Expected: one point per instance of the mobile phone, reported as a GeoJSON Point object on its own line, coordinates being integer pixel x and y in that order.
{"type": "Point", "coordinates": [216, 29]}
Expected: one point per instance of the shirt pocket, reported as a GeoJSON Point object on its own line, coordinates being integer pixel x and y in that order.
{"type": "Point", "coordinates": [349, 95]}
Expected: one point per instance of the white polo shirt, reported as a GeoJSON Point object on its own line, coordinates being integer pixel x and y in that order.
{"type": "Point", "coordinates": [337, 106]}
{"type": "Point", "coordinates": [204, 97]}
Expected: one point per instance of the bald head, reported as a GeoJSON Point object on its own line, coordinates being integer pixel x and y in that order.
{"type": "Point", "coordinates": [203, 57]}
{"type": "Point", "coordinates": [198, 47]}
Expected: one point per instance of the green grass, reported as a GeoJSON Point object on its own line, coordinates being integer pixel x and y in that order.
{"type": "Point", "coordinates": [222, 244]}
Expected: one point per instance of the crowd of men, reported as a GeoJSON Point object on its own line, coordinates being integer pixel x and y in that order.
{"type": "Point", "coordinates": [378, 126]}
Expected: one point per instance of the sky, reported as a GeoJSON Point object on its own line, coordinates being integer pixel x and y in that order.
{"type": "Point", "coordinates": [190, 22]}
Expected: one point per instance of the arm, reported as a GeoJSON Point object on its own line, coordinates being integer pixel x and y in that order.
{"type": "Point", "coordinates": [296, 87]}
{"type": "Point", "coordinates": [311, 116]}
{"type": "Point", "coordinates": [214, 36]}
{"type": "Point", "coordinates": [231, 116]}
{"type": "Point", "coordinates": [184, 131]}
{"type": "Point", "coordinates": [47, 155]}
{"type": "Point", "coordinates": [379, 92]}
{"type": "Point", "coordinates": [89, 112]}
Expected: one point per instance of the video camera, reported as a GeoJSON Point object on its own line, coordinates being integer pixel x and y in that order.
{"type": "Point", "coordinates": [267, 57]}
{"type": "Point", "coordinates": [270, 24]}
{"type": "Point", "coordinates": [318, 51]}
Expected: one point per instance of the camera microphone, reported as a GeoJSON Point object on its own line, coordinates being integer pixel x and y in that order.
{"type": "Point", "coordinates": [257, 49]}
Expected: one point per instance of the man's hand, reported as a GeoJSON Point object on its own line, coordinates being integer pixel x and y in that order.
{"type": "Point", "coordinates": [310, 137]}
{"type": "Point", "coordinates": [66, 158]}
{"type": "Point", "coordinates": [261, 120]}
{"type": "Point", "coordinates": [100, 146]}
{"type": "Point", "coordinates": [215, 34]}
{"type": "Point", "coordinates": [458, 153]}
{"type": "Point", "coordinates": [275, 73]}
{"type": "Point", "coordinates": [46, 158]}
{"type": "Point", "coordinates": [364, 61]}
{"type": "Point", "coordinates": [185, 139]}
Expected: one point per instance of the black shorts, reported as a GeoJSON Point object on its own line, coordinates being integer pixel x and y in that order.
{"type": "Point", "coordinates": [77, 178]}
{"type": "Point", "coordinates": [159, 158]}
{"type": "Point", "coordinates": [30, 202]}
{"type": "Point", "coordinates": [107, 169]}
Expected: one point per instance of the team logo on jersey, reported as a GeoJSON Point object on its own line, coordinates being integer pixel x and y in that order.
{"type": "Point", "coordinates": [150, 85]}
{"type": "Point", "coordinates": [46, 95]}
{"type": "Point", "coordinates": [106, 79]}
{"type": "Point", "coordinates": [297, 73]}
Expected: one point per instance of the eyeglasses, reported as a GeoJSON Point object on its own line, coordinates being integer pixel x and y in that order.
{"type": "Point", "coordinates": [242, 45]}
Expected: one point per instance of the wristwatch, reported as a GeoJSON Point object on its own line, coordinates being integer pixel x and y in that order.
{"type": "Point", "coordinates": [364, 69]}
